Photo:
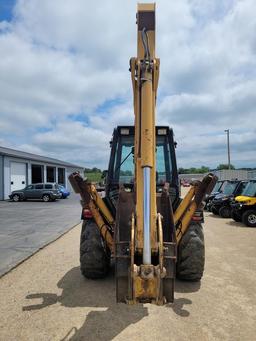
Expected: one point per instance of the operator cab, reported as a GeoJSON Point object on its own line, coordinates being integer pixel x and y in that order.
{"type": "Point", "coordinates": [121, 170]}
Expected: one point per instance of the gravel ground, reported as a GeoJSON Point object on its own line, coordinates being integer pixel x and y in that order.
{"type": "Point", "coordinates": [46, 298]}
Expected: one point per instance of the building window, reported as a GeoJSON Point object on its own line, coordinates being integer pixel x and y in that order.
{"type": "Point", "coordinates": [50, 174]}
{"type": "Point", "coordinates": [37, 172]}
{"type": "Point", "coordinates": [61, 176]}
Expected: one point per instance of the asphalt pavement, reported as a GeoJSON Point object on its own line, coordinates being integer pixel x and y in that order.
{"type": "Point", "coordinates": [27, 226]}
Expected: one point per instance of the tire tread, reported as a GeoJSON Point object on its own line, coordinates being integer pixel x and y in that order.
{"type": "Point", "coordinates": [94, 256]}
{"type": "Point", "coordinates": [191, 254]}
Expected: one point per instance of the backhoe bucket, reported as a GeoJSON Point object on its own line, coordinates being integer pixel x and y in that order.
{"type": "Point", "coordinates": [135, 281]}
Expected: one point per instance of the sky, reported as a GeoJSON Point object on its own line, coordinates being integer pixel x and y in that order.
{"type": "Point", "coordinates": [65, 84]}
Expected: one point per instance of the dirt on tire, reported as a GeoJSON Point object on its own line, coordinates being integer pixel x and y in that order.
{"type": "Point", "coordinates": [94, 255]}
{"type": "Point", "coordinates": [191, 254]}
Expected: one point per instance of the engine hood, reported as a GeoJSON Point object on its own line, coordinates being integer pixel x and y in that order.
{"type": "Point", "coordinates": [246, 200]}
{"type": "Point", "coordinates": [222, 196]}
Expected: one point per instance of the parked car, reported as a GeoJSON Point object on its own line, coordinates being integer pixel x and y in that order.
{"type": "Point", "coordinates": [46, 192]}
{"type": "Point", "coordinates": [221, 204]}
{"type": "Point", "coordinates": [244, 206]}
{"type": "Point", "coordinates": [217, 189]}
{"type": "Point", "coordinates": [64, 191]}
{"type": "Point", "coordinates": [185, 183]}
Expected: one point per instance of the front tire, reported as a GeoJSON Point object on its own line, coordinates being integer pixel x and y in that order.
{"type": "Point", "coordinates": [191, 254]}
{"type": "Point", "coordinates": [249, 218]}
{"type": "Point", "coordinates": [46, 198]}
{"type": "Point", "coordinates": [236, 217]}
{"type": "Point", "coordinates": [16, 198]}
{"type": "Point", "coordinates": [94, 254]}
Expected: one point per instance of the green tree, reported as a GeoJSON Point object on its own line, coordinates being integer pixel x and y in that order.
{"type": "Point", "coordinates": [204, 169]}
{"type": "Point", "coordinates": [225, 166]}
{"type": "Point", "coordinates": [96, 170]}
{"type": "Point", "coordinates": [193, 170]}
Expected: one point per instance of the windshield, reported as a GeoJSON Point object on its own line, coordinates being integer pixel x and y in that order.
{"type": "Point", "coordinates": [127, 163]}
{"type": "Point", "coordinates": [250, 189]}
{"type": "Point", "coordinates": [229, 188]}
{"type": "Point", "coordinates": [217, 187]}
{"type": "Point", "coordinates": [163, 161]}
{"type": "Point", "coordinates": [124, 161]}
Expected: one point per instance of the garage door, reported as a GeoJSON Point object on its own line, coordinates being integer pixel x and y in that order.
{"type": "Point", "coordinates": [18, 175]}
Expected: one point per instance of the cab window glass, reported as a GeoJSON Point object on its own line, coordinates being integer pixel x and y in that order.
{"type": "Point", "coordinates": [160, 165]}
{"type": "Point", "coordinates": [124, 160]}
{"type": "Point", "coordinates": [229, 188]}
{"type": "Point", "coordinates": [39, 186]}
{"type": "Point", "coordinates": [250, 189]}
{"type": "Point", "coordinates": [48, 186]}
{"type": "Point", "coordinates": [242, 186]}
{"type": "Point", "coordinates": [163, 161]}
{"type": "Point", "coordinates": [124, 166]}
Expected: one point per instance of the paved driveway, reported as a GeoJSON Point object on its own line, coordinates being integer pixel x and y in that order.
{"type": "Point", "coordinates": [27, 226]}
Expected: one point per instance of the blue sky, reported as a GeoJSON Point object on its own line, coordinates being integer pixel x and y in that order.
{"type": "Point", "coordinates": [65, 85]}
{"type": "Point", "coordinates": [6, 7]}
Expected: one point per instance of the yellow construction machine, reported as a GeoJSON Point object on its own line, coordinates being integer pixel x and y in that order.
{"type": "Point", "coordinates": [142, 223]}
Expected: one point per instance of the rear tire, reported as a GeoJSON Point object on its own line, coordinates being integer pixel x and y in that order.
{"type": "Point", "coordinates": [214, 210]}
{"type": "Point", "coordinates": [94, 255]}
{"type": "Point", "coordinates": [191, 254]}
{"type": "Point", "coordinates": [236, 217]}
{"type": "Point", "coordinates": [225, 212]}
{"type": "Point", "coordinates": [249, 218]}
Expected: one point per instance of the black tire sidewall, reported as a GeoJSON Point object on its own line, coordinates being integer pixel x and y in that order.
{"type": "Point", "coordinates": [191, 254]}
{"type": "Point", "coordinates": [94, 254]}
{"type": "Point", "coordinates": [236, 217]}
{"type": "Point", "coordinates": [214, 211]}
{"type": "Point", "coordinates": [245, 218]}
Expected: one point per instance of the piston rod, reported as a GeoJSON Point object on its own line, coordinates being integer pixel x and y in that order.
{"type": "Point", "coordinates": [146, 216]}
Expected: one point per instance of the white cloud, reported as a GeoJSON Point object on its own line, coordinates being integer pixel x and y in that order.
{"type": "Point", "coordinates": [60, 60]}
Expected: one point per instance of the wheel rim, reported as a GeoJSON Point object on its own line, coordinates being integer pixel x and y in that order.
{"type": "Point", "coordinates": [252, 218]}
{"type": "Point", "coordinates": [46, 198]}
{"type": "Point", "coordinates": [16, 198]}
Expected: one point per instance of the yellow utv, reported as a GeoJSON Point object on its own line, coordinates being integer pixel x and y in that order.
{"type": "Point", "coordinates": [142, 223]}
{"type": "Point", "coordinates": [244, 206]}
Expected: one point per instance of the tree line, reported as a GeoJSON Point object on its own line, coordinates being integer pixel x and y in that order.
{"type": "Point", "coordinates": [202, 169]}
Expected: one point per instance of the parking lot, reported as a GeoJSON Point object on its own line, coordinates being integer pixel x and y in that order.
{"type": "Point", "coordinates": [46, 298]}
{"type": "Point", "coordinates": [27, 226]}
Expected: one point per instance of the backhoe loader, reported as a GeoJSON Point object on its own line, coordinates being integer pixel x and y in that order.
{"type": "Point", "coordinates": [142, 223]}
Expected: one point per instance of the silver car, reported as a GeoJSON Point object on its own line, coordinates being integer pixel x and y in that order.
{"type": "Point", "coordinates": [46, 192]}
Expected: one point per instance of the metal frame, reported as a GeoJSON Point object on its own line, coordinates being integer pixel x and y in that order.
{"type": "Point", "coordinates": [111, 181]}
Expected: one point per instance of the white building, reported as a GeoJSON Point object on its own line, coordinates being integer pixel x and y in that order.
{"type": "Point", "coordinates": [18, 169]}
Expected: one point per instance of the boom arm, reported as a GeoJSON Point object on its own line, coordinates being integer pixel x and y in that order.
{"type": "Point", "coordinates": [144, 74]}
